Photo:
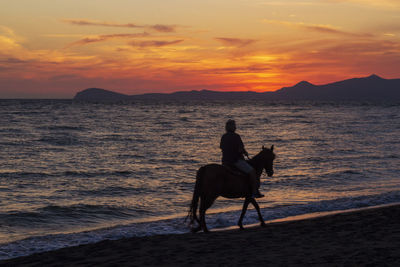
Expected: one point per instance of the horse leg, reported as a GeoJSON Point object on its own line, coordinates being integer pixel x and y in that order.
{"type": "Point", "coordinates": [255, 204]}
{"type": "Point", "coordinates": [244, 209]}
{"type": "Point", "coordinates": [196, 229]}
{"type": "Point", "coordinates": [205, 203]}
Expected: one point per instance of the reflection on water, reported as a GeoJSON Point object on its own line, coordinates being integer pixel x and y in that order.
{"type": "Point", "coordinates": [67, 166]}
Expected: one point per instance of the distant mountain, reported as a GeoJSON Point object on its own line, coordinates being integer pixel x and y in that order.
{"type": "Point", "coordinates": [368, 88]}
{"type": "Point", "coordinates": [97, 94]}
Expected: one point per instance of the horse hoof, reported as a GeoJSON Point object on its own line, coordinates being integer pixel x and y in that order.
{"type": "Point", "coordinates": [241, 227]}
{"type": "Point", "coordinates": [195, 230]}
{"type": "Point", "coordinates": [263, 224]}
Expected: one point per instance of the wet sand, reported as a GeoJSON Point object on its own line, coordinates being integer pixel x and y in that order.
{"type": "Point", "coordinates": [359, 238]}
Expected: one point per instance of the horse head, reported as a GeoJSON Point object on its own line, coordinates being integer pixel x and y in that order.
{"type": "Point", "coordinates": [269, 157]}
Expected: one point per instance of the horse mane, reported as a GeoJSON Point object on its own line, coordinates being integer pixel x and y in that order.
{"type": "Point", "coordinates": [261, 156]}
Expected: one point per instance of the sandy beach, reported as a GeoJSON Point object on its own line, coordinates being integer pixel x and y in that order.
{"type": "Point", "coordinates": [360, 238]}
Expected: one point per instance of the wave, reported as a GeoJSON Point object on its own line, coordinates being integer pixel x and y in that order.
{"type": "Point", "coordinates": [329, 180]}
{"type": "Point", "coordinates": [12, 130]}
{"type": "Point", "coordinates": [110, 191]}
{"type": "Point", "coordinates": [90, 174]}
{"type": "Point", "coordinates": [121, 138]}
{"type": "Point", "coordinates": [184, 111]}
{"type": "Point", "coordinates": [72, 215]}
{"type": "Point", "coordinates": [61, 139]}
{"type": "Point", "coordinates": [176, 224]}
{"type": "Point", "coordinates": [19, 174]}
{"type": "Point", "coordinates": [62, 128]}
{"type": "Point", "coordinates": [84, 174]}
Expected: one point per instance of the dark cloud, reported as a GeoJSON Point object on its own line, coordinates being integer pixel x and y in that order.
{"type": "Point", "coordinates": [327, 29]}
{"type": "Point", "coordinates": [318, 28]}
{"type": "Point", "coordinates": [154, 43]}
{"type": "Point", "coordinates": [162, 28]}
{"type": "Point", "coordinates": [13, 61]}
{"type": "Point", "coordinates": [235, 41]}
{"type": "Point", "coordinates": [106, 37]}
{"type": "Point", "coordinates": [85, 22]}
{"type": "Point", "coordinates": [65, 77]}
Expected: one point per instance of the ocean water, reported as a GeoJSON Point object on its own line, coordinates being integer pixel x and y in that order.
{"type": "Point", "coordinates": [75, 173]}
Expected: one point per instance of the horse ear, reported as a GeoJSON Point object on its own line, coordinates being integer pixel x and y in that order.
{"type": "Point", "coordinates": [263, 147]}
{"type": "Point", "coordinates": [272, 148]}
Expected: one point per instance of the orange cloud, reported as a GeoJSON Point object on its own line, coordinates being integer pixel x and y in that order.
{"type": "Point", "coordinates": [238, 42]}
{"type": "Point", "coordinates": [85, 22]}
{"type": "Point", "coordinates": [319, 28]}
{"type": "Point", "coordinates": [374, 3]}
{"type": "Point", "coordinates": [258, 65]}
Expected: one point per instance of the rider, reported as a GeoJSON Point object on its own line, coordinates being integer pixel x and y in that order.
{"type": "Point", "coordinates": [232, 154]}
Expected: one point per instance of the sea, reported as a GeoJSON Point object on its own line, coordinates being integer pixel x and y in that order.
{"type": "Point", "coordinates": [75, 173]}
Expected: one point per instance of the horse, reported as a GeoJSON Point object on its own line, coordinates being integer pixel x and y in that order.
{"type": "Point", "coordinates": [214, 180]}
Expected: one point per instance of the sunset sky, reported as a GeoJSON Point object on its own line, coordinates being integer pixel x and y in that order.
{"type": "Point", "coordinates": [55, 48]}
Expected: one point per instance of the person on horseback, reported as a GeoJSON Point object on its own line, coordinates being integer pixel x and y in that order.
{"type": "Point", "coordinates": [232, 155]}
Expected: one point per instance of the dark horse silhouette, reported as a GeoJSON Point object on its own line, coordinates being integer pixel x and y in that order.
{"type": "Point", "coordinates": [214, 180]}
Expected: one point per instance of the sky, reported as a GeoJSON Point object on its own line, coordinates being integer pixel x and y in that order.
{"type": "Point", "coordinates": [55, 48]}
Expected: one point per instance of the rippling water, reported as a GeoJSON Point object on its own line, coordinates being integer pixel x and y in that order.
{"type": "Point", "coordinates": [75, 173]}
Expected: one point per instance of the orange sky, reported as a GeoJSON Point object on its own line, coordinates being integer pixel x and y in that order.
{"type": "Point", "coordinates": [52, 49]}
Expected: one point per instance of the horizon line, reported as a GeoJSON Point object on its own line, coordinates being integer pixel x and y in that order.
{"type": "Point", "coordinates": [200, 90]}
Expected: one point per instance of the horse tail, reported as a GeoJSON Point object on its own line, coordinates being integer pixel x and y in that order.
{"type": "Point", "coordinates": [196, 195]}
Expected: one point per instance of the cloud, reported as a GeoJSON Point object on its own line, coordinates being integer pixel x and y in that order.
{"type": "Point", "coordinates": [12, 61]}
{"type": "Point", "coordinates": [154, 43]}
{"type": "Point", "coordinates": [162, 28]}
{"type": "Point", "coordinates": [389, 34]}
{"type": "Point", "coordinates": [106, 37]}
{"type": "Point", "coordinates": [10, 42]}
{"type": "Point", "coordinates": [389, 28]}
{"type": "Point", "coordinates": [58, 35]}
{"type": "Point", "coordinates": [6, 31]}
{"type": "Point", "coordinates": [367, 49]}
{"type": "Point", "coordinates": [320, 28]}
{"type": "Point", "coordinates": [247, 69]}
{"type": "Point", "coordinates": [238, 42]}
{"type": "Point", "coordinates": [374, 3]}
{"type": "Point", "coordinates": [85, 22]}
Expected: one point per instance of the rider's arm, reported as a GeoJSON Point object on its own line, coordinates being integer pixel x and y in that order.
{"type": "Point", "coordinates": [241, 147]}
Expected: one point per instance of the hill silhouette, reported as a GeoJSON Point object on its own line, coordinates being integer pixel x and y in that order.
{"type": "Point", "coordinates": [371, 88]}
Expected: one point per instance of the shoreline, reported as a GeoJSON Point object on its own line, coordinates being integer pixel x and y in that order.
{"type": "Point", "coordinates": [356, 237]}
{"type": "Point", "coordinates": [310, 216]}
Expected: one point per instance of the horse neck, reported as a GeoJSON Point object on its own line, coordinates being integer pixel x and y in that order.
{"type": "Point", "coordinates": [257, 164]}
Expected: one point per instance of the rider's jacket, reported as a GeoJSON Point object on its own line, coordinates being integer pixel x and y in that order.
{"type": "Point", "coordinates": [232, 148]}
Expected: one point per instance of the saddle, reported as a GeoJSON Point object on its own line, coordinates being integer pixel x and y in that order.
{"type": "Point", "coordinates": [233, 170]}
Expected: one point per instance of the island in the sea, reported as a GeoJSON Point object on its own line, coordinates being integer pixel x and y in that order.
{"type": "Point", "coordinates": [371, 88]}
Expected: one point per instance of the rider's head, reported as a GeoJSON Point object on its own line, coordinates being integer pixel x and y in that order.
{"type": "Point", "coordinates": [230, 126]}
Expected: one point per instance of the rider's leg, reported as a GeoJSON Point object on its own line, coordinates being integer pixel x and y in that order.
{"type": "Point", "coordinates": [253, 180]}
{"type": "Point", "coordinates": [254, 185]}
